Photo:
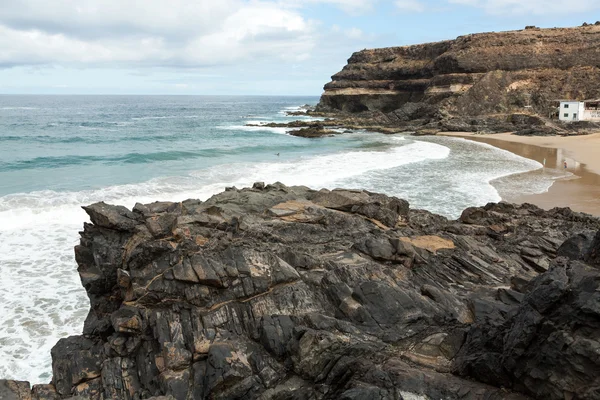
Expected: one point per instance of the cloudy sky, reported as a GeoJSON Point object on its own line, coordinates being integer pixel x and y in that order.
{"type": "Point", "coordinates": [232, 46]}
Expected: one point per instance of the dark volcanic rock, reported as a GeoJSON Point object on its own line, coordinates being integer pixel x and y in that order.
{"type": "Point", "coordinates": [549, 346]}
{"type": "Point", "coordinates": [282, 292]}
{"type": "Point", "coordinates": [313, 132]}
{"type": "Point", "coordinates": [593, 253]}
{"type": "Point", "coordinates": [576, 247]}
{"type": "Point", "coordinates": [14, 390]}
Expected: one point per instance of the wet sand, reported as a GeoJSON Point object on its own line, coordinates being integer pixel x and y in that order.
{"type": "Point", "coordinates": [582, 154]}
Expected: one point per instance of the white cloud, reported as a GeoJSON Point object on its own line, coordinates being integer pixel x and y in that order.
{"type": "Point", "coordinates": [38, 47]}
{"type": "Point", "coordinates": [410, 5]}
{"type": "Point", "coordinates": [536, 7]}
{"type": "Point", "coordinates": [349, 6]}
{"type": "Point", "coordinates": [103, 17]}
{"type": "Point", "coordinates": [354, 33]}
{"type": "Point", "coordinates": [151, 32]}
{"type": "Point", "coordinates": [254, 32]}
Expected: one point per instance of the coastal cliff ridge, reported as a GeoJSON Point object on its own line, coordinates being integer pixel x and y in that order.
{"type": "Point", "coordinates": [474, 82]}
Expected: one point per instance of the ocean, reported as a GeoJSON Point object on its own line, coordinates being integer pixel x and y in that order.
{"type": "Point", "coordinates": [58, 153]}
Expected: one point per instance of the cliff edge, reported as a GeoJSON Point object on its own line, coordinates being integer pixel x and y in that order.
{"type": "Point", "coordinates": [490, 75]}
{"type": "Point", "coordinates": [278, 292]}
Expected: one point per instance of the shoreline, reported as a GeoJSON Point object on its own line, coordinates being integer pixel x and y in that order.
{"type": "Point", "coordinates": [580, 192]}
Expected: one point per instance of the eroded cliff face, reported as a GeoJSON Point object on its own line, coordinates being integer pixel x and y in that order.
{"type": "Point", "coordinates": [473, 75]}
{"type": "Point", "coordinates": [282, 292]}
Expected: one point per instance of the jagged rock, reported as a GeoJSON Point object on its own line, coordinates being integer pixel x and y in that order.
{"type": "Point", "coordinates": [576, 247]}
{"type": "Point", "coordinates": [105, 216]}
{"type": "Point", "coordinates": [388, 210]}
{"type": "Point", "coordinates": [14, 390]}
{"type": "Point", "coordinates": [546, 347]}
{"type": "Point", "coordinates": [593, 253]}
{"type": "Point", "coordinates": [426, 132]}
{"type": "Point", "coordinates": [536, 131]}
{"type": "Point", "coordinates": [277, 292]}
{"type": "Point", "coordinates": [313, 132]}
{"type": "Point", "coordinates": [44, 392]}
{"type": "Point", "coordinates": [75, 360]}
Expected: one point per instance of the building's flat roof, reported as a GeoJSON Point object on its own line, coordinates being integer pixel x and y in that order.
{"type": "Point", "coordinates": [579, 101]}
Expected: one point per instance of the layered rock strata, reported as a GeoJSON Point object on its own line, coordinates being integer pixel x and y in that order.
{"type": "Point", "coordinates": [279, 292]}
{"type": "Point", "coordinates": [475, 80]}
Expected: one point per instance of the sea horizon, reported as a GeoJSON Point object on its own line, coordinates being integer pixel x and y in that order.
{"type": "Point", "coordinates": [157, 95]}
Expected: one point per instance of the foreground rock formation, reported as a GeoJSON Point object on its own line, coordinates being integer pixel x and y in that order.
{"type": "Point", "coordinates": [495, 81]}
{"type": "Point", "coordinates": [282, 292]}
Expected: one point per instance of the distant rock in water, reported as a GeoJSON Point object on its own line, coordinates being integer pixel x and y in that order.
{"type": "Point", "coordinates": [278, 292]}
{"type": "Point", "coordinates": [473, 83]}
{"type": "Point", "coordinates": [316, 131]}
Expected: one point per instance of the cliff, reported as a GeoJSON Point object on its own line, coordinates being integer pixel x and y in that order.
{"type": "Point", "coordinates": [279, 292]}
{"type": "Point", "coordinates": [485, 74]}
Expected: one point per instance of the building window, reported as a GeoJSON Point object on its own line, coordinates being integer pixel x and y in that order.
{"type": "Point", "coordinates": [566, 115]}
{"type": "Point", "coordinates": [566, 106]}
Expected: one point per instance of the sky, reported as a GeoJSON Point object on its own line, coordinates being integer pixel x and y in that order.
{"type": "Point", "coordinates": [233, 47]}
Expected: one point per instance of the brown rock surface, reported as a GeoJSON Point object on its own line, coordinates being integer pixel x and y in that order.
{"type": "Point", "coordinates": [313, 132]}
{"type": "Point", "coordinates": [487, 76]}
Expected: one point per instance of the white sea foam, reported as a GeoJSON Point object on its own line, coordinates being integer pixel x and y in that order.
{"type": "Point", "coordinates": [96, 128]}
{"type": "Point", "coordinates": [469, 177]}
{"type": "Point", "coordinates": [263, 121]}
{"type": "Point", "coordinates": [19, 108]}
{"type": "Point", "coordinates": [517, 165]}
{"type": "Point", "coordinates": [298, 109]}
{"type": "Point", "coordinates": [324, 170]}
{"type": "Point", "coordinates": [164, 117]}
{"type": "Point", "coordinates": [294, 108]}
{"type": "Point", "coordinates": [279, 131]}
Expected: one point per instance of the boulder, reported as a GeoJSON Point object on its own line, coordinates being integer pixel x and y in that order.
{"type": "Point", "coordinates": [313, 132]}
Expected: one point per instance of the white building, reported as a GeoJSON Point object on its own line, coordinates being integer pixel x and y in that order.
{"type": "Point", "coordinates": [571, 110]}
{"type": "Point", "coordinates": [591, 110]}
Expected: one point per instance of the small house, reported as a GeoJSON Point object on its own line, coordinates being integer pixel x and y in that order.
{"type": "Point", "coordinates": [570, 110]}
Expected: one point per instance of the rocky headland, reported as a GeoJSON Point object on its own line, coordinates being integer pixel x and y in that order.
{"type": "Point", "coordinates": [276, 292]}
{"type": "Point", "coordinates": [486, 82]}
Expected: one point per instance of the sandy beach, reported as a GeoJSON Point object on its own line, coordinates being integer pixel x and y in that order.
{"type": "Point", "coordinates": [581, 192]}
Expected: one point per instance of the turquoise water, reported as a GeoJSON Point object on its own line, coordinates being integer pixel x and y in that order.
{"type": "Point", "coordinates": [58, 153]}
{"type": "Point", "coordinates": [96, 141]}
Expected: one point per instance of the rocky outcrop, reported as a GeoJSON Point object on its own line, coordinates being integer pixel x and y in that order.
{"type": "Point", "coordinates": [547, 347]}
{"type": "Point", "coordinates": [279, 292]}
{"type": "Point", "coordinates": [479, 80]}
{"type": "Point", "coordinates": [316, 131]}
